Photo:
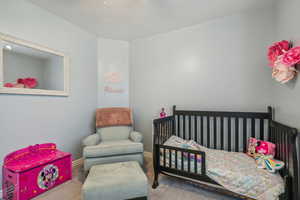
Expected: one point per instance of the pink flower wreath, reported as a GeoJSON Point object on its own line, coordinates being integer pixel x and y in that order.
{"type": "Point", "coordinates": [277, 49]}
{"type": "Point", "coordinates": [292, 57]}
{"type": "Point", "coordinates": [283, 59]}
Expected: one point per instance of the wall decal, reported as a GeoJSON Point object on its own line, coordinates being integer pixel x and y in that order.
{"type": "Point", "coordinates": [113, 80]}
{"type": "Point", "coordinates": [109, 89]}
{"type": "Point", "coordinates": [112, 77]}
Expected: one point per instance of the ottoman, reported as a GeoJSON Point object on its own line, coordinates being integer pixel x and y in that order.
{"type": "Point", "coordinates": [116, 181]}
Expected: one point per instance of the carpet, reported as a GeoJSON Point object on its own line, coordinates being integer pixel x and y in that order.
{"type": "Point", "coordinates": [169, 188]}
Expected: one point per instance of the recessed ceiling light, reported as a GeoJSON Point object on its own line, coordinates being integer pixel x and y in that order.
{"type": "Point", "coordinates": [8, 47]}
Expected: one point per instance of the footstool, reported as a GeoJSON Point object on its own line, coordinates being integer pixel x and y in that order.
{"type": "Point", "coordinates": [116, 181]}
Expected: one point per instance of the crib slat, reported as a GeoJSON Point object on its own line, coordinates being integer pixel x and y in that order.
{"type": "Point", "coordinates": [162, 130]}
{"type": "Point", "coordinates": [287, 151]}
{"type": "Point", "coordinates": [164, 157]}
{"type": "Point", "coordinates": [245, 134]}
{"type": "Point", "coordinates": [190, 127]}
{"type": "Point", "coordinates": [229, 133]}
{"type": "Point", "coordinates": [170, 129]}
{"type": "Point", "coordinates": [222, 133]}
{"type": "Point", "coordinates": [165, 130]}
{"type": "Point", "coordinates": [178, 125]}
{"type": "Point", "coordinates": [182, 167]}
{"type": "Point", "coordinates": [195, 164]}
{"type": "Point", "coordinates": [208, 131]}
{"type": "Point", "coordinates": [170, 158]}
{"type": "Point", "coordinates": [202, 130]}
{"type": "Point", "coordinates": [189, 162]}
{"type": "Point", "coordinates": [253, 127]}
{"type": "Point", "coordinates": [215, 132]}
{"type": "Point", "coordinates": [176, 152]}
{"type": "Point", "coordinates": [195, 129]}
{"type": "Point", "coordinates": [237, 139]}
{"type": "Point", "coordinates": [285, 146]}
{"type": "Point", "coordinates": [160, 133]}
{"type": "Point", "coordinates": [183, 126]}
{"type": "Point", "coordinates": [281, 146]}
{"type": "Point", "coordinates": [203, 164]}
{"type": "Point", "coordinates": [173, 127]}
{"type": "Point", "coordinates": [261, 131]}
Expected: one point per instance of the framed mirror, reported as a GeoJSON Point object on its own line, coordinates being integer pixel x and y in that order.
{"type": "Point", "coordinates": [27, 68]}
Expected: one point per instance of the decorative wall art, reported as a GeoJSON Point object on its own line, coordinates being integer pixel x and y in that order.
{"type": "Point", "coordinates": [110, 89]}
{"type": "Point", "coordinates": [283, 59]}
{"type": "Point", "coordinates": [112, 77]}
{"type": "Point", "coordinates": [112, 80]}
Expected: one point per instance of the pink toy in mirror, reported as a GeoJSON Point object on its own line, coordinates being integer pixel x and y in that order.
{"type": "Point", "coordinates": [162, 114]}
{"type": "Point", "coordinates": [23, 83]}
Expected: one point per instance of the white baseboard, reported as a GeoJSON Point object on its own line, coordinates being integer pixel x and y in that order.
{"type": "Point", "coordinates": [77, 163]}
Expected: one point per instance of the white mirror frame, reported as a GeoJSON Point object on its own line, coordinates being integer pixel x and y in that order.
{"type": "Point", "coordinates": [66, 62]}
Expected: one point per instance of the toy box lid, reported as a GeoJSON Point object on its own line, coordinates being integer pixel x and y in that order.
{"type": "Point", "coordinates": [32, 156]}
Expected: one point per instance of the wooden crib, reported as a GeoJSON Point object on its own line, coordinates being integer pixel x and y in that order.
{"type": "Point", "coordinates": [225, 131]}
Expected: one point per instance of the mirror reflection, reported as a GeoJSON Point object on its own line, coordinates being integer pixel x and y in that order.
{"type": "Point", "coordinates": [28, 68]}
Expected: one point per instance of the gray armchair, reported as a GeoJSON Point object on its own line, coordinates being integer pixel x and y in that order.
{"type": "Point", "coordinates": [112, 144]}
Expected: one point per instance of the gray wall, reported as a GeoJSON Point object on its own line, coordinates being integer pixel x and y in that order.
{"type": "Point", "coordinates": [54, 73]}
{"type": "Point", "coordinates": [217, 65]}
{"type": "Point", "coordinates": [287, 97]}
{"type": "Point", "coordinates": [26, 120]}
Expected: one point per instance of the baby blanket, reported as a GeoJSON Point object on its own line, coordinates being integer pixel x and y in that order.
{"type": "Point", "coordinates": [113, 117]}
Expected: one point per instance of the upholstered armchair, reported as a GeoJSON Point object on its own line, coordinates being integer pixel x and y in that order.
{"type": "Point", "coordinates": [114, 141]}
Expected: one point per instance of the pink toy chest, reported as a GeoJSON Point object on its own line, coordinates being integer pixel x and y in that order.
{"type": "Point", "coordinates": [33, 170]}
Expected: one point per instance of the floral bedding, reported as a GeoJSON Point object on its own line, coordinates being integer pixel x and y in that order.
{"type": "Point", "coordinates": [236, 172]}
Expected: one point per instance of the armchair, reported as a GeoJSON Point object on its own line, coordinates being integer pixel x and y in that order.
{"type": "Point", "coordinates": [112, 144]}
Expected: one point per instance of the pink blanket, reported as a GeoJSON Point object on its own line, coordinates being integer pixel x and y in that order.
{"type": "Point", "coordinates": [113, 117]}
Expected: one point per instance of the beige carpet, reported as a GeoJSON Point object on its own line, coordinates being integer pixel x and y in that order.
{"type": "Point", "coordinates": [169, 188]}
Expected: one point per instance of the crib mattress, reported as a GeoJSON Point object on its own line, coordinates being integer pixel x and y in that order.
{"type": "Point", "coordinates": [236, 172]}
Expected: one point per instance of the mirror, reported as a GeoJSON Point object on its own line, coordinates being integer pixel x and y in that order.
{"type": "Point", "coordinates": [27, 68]}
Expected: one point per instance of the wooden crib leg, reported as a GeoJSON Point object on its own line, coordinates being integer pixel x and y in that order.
{"type": "Point", "coordinates": [155, 182]}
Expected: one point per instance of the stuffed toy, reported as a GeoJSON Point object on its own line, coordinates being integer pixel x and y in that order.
{"type": "Point", "coordinates": [251, 147]}
{"type": "Point", "coordinates": [268, 162]}
{"type": "Point", "coordinates": [260, 147]}
{"type": "Point", "coordinates": [162, 114]}
{"type": "Point", "coordinates": [266, 148]}
{"type": "Point", "coordinates": [23, 83]}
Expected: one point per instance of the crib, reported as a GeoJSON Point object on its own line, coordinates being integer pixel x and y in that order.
{"type": "Point", "coordinates": [225, 131]}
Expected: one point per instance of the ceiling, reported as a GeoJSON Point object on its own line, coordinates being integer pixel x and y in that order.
{"type": "Point", "coordinates": [131, 19]}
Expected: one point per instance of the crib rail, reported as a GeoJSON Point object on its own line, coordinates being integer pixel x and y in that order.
{"type": "Point", "coordinates": [163, 129]}
{"type": "Point", "coordinates": [285, 139]}
{"type": "Point", "coordinates": [169, 159]}
{"type": "Point", "coordinates": [185, 162]}
{"type": "Point", "coordinates": [221, 130]}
